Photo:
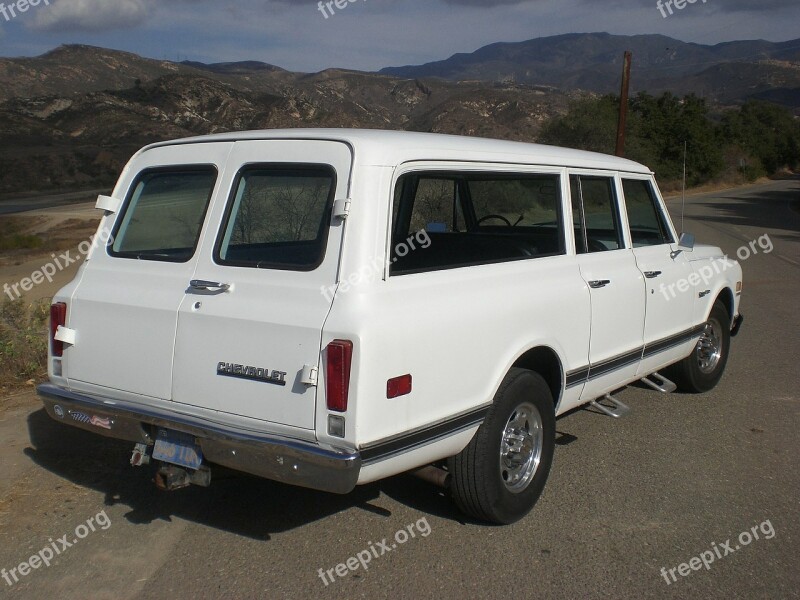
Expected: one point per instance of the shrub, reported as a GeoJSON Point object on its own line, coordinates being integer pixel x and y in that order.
{"type": "Point", "coordinates": [23, 341]}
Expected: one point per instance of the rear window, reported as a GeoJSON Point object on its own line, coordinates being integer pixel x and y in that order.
{"type": "Point", "coordinates": [163, 215]}
{"type": "Point", "coordinates": [278, 218]}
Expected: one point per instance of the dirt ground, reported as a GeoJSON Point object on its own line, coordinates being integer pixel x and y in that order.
{"type": "Point", "coordinates": [62, 229]}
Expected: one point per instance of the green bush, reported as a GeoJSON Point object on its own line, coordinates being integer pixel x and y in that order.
{"type": "Point", "coordinates": [12, 239]}
{"type": "Point", "coordinates": [766, 135]}
{"type": "Point", "coordinates": [20, 242]}
{"type": "Point", "coordinates": [23, 340]}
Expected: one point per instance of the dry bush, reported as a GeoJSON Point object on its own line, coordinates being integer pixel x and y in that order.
{"type": "Point", "coordinates": [23, 341]}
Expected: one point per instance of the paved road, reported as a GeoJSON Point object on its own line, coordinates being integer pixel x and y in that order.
{"type": "Point", "coordinates": [22, 203]}
{"type": "Point", "coordinates": [679, 477]}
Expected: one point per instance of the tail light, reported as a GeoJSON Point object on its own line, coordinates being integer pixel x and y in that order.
{"type": "Point", "coordinates": [339, 358]}
{"type": "Point", "coordinates": [58, 318]}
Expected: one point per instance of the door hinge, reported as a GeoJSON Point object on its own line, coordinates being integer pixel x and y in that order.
{"type": "Point", "coordinates": [341, 208]}
{"type": "Point", "coordinates": [108, 204]}
{"type": "Point", "coordinates": [66, 335]}
{"type": "Point", "coordinates": [309, 375]}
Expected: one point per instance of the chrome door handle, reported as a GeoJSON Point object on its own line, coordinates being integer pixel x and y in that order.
{"type": "Point", "coordinates": [598, 283]}
{"type": "Point", "coordinates": [199, 284]}
{"type": "Point", "coordinates": [652, 274]}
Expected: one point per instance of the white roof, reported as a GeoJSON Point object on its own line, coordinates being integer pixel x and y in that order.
{"type": "Point", "coordinates": [386, 147]}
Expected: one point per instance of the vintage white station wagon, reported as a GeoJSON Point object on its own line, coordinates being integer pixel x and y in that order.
{"type": "Point", "coordinates": [327, 308]}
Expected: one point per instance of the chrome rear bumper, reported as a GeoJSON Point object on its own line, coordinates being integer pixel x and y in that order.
{"type": "Point", "coordinates": [273, 457]}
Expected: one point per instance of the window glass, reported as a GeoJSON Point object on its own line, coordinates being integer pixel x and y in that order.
{"type": "Point", "coordinates": [647, 223]}
{"type": "Point", "coordinates": [164, 214]}
{"type": "Point", "coordinates": [600, 226]}
{"type": "Point", "coordinates": [435, 205]}
{"type": "Point", "coordinates": [278, 218]}
{"type": "Point", "coordinates": [449, 220]}
{"type": "Point", "coordinates": [517, 202]}
{"type": "Point", "coordinates": [578, 225]}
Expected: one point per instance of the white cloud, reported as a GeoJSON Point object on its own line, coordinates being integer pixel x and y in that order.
{"type": "Point", "coordinates": [92, 15]}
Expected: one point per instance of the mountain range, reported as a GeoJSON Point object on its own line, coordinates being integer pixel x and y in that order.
{"type": "Point", "coordinates": [70, 118]}
{"type": "Point", "coordinates": [727, 72]}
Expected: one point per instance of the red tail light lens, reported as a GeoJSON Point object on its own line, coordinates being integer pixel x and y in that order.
{"type": "Point", "coordinates": [58, 318]}
{"type": "Point", "coordinates": [339, 358]}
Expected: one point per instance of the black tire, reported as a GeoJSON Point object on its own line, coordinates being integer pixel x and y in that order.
{"type": "Point", "coordinates": [491, 486]}
{"type": "Point", "coordinates": [696, 374]}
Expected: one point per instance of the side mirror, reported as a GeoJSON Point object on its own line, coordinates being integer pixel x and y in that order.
{"type": "Point", "coordinates": [686, 243]}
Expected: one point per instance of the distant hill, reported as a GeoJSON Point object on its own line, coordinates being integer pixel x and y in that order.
{"type": "Point", "coordinates": [238, 68]}
{"type": "Point", "coordinates": [726, 72]}
{"type": "Point", "coordinates": [70, 118]}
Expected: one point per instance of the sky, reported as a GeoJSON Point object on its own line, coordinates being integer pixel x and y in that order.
{"type": "Point", "coordinates": [367, 34]}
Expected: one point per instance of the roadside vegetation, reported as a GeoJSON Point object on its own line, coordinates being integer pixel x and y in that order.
{"type": "Point", "coordinates": [738, 145]}
{"type": "Point", "coordinates": [23, 341]}
{"type": "Point", "coordinates": [13, 236]}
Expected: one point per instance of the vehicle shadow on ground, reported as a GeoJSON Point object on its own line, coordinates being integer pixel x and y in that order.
{"type": "Point", "coordinates": [765, 210]}
{"type": "Point", "coordinates": [235, 502]}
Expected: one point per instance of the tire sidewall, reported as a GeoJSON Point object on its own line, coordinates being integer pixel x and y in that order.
{"type": "Point", "coordinates": [522, 387]}
{"type": "Point", "coordinates": [706, 381]}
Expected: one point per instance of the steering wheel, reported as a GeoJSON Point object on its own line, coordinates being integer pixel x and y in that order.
{"type": "Point", "coordinates": [501, 217]}
{"type": "Point", "coordinates": [596, 246]}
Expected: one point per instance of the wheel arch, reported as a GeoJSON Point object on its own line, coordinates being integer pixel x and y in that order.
{"type": "Point", "coordinates": [726, 297]}
{"type": "Point", "coordinates": [545, 361]}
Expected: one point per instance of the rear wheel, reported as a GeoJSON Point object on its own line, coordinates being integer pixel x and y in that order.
{"type": "Point", "coordinates": [703, 368]}
{"type": "Point", "coordinates": [501, 473]}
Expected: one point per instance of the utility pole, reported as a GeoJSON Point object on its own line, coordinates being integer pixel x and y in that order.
{"type": "Point", "coordinates": [623, 103]}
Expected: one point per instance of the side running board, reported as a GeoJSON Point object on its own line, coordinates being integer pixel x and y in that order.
{"type": "Point", "coordinates": [611, 406]}
{"type": "Point", "coordinates": [661, 383]}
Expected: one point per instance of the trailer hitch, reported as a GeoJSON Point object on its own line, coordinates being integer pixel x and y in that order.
{"type": "Point", "coordinates": [172, 477]}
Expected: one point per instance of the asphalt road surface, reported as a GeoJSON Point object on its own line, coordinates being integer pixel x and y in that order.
{"type": "Point", "coordinates": [714, 476]}
{"type": "Point", "coordinates": [15, 204]}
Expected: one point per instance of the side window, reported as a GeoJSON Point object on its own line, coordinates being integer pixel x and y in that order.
{"type": "Point", "coordinates": [278, 218]}
{"type": "Point", "coordinates": [578, 218]}
{"type": "Point", "coordinates": [464, 219]}
{"type": "Point", "coordinates": [436, 206]}
{"type": "Point", "coordinates": [647, 222]}
{"type": "Point", "coordinates": [163, 215]}
{"type": "Point", "coordinates": [597, 226]}
{"type": "Point", "coordinates": [516, 202]}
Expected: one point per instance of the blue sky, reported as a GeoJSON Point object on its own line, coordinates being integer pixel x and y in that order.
{"type": "Point", "coordinates": [366, 34]}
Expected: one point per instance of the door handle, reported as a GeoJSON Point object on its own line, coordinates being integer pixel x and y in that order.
{"type": "Point", "coordinates": [199, 284]}
{"type": "Point", "coordinates": [652, 274]}
{"type": "Point", "coordinates": [598, 283]}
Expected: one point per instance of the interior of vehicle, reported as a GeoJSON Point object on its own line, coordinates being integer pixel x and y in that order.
{"type": "Point", "coordinates": [475, 218]}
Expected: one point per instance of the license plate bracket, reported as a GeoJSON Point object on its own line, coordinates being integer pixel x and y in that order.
{"type": "Point", "coordinates": [177, 448]}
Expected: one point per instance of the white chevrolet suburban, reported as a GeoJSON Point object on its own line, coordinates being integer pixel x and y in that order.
{"type": "Point", "coordinates": [327, 308]}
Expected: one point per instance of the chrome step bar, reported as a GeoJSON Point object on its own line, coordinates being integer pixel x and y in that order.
{"type": "Point", "coordinates": [661, 383]}
{"type": "Point", "coordinates": [617, 408]}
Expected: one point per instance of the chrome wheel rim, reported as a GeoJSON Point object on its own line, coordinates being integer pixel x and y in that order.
{"type": "Point", "coordinates": [521, 447]}
{"type": "Point", "coordinates": [709, 347]}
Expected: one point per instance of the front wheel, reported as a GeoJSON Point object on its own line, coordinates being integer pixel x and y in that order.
{"type": "Point", "coordinates": [501, 473]}
{"type": "Point", "coordinates": [702, 369]}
